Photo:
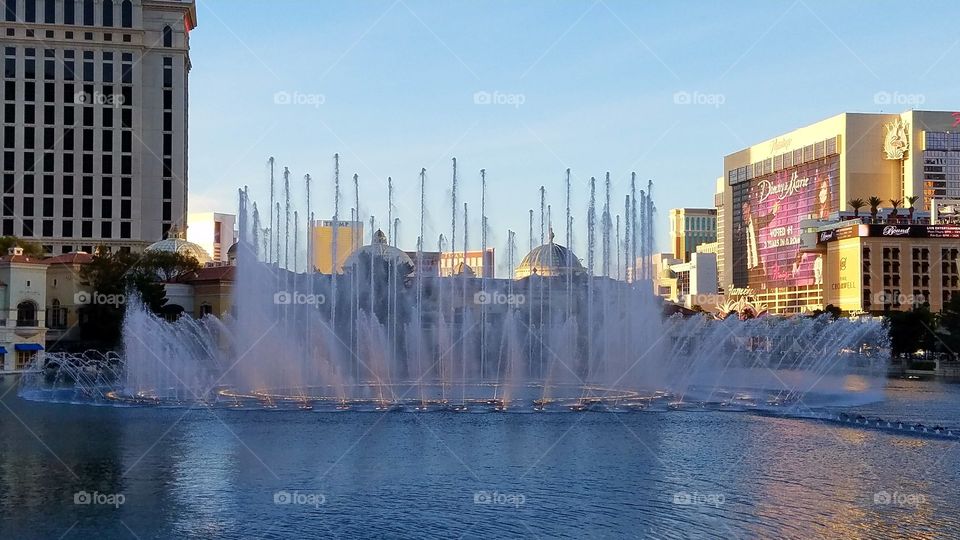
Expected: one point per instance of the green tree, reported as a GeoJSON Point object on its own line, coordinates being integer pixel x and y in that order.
{"type": "Point", "coordinates": [911, 330]}
{"type": "Point", "coordinates": [113, 277]}
{"type": "Point", "coordinates": [874, 203]}
{"type": "Point", "coordinates": [169, 266]}
{"type": "Point", "coordinates": [895, 203]}
{"type": "Point", "coordinates": [948, 331]}
{"type": "Point", "coordinates": [857, 204]}
{"type": "Point", "coordinates": [30, 249]}
{"type": "Point", "coordinates": [910, 201]}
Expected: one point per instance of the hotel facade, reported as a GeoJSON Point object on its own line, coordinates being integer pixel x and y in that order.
{"type": "Point", "coordinates": [94, 137]}
{"type": "Point", "coordinates": [779, 200]}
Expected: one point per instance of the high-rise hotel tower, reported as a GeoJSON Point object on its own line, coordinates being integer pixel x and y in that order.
{"type": "Point", "coordinates": [95, 108]}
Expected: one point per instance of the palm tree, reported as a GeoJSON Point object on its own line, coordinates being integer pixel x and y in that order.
{"type": "Point", "coordinates": [857, 204]}
{"type": "Point", "coordinates": [874, 203]}
{"type": "Point", "coordinates": [910, 200]}
{"type": "Point", "coordinates": [895, 203]}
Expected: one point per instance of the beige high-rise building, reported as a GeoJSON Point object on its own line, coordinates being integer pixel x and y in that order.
{"type": "Point", "coordinates": [774, 191]}
{"type": "Point", "coordinates": [95, 105]}
{"type": "Point", "coordinates": [349, 235]}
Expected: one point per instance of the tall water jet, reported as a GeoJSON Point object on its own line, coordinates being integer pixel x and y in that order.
{"type": "Point", "coordinates": [390, 234]}
{"type": "Point", "coordinates": [273, 231]}
{"type": "Point", "coordinates": [605, 224]}
{"type": "Point", "coordinates": [286, 226]}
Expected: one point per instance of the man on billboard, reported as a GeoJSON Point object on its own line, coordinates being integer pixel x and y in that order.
{"type": "Point", "coordinates": [751, 226]}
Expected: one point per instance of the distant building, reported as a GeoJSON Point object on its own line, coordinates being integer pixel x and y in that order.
{"type": "Point", "coordinates": [212, 231]}
{"type": "Point", "coordinates": [349, 235]}
{"type": "Point", "coordinates": [691, 283]}
{"type": "Point", "coordinates": [428, 263]}
{"type": "Point", "coordinates": [690, 227]}
{"type": "Point", "coordinates": [479, 262]}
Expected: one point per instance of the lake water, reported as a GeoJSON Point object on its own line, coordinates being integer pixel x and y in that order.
{"type": "Point", "coordinates": [70, 471]}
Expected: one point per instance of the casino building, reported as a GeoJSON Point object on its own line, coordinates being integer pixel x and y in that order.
{"type": "Point", "coordinates": [787, 239]}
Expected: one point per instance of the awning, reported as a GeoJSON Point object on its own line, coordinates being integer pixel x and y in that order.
{"type": "Point", "coordinates": [3, 350]}
{"type": "Point", "coordinates": [28, 347]}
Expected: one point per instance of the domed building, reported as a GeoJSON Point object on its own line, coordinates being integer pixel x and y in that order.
{"type": "Point", "coordinates": [176, 243]}
{"type": "Point", "coordinates": [379, 249]}
{"type": "Point", "coordinates": [549, 260]}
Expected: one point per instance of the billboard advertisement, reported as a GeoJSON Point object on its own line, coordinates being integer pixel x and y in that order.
{"type": "Point", "coordinates": [766, 222]}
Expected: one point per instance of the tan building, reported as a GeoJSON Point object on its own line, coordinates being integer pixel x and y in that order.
{"type": "Point", "coordinates": [879, 267]}
{"type": "Point", "coordinates": [349, 238]}
{"type": "Point", "coordinates": [23, 300]}
{"type": "Point", "coordinates": [811, 174]}
{"type": "Point", "coordinates": [690, 227]}
{"type": "Point", "coordinates": [66, 294]}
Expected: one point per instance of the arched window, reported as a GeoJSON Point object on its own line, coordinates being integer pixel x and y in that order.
{"type": "Point", "coordinates": [10, 10]}
{"type": "Point", "coordinates": [126, 14]}
{"type": "Point", "coordinates": [26, 313]}
{"type": "Point", "coordinates": [88, 12]}
{"type": "Point", "coordinates": [69, 12]}
{"type": "Point", "coordinates": [108, 12]}
{"type": "Point", "coordinates": [167, 36]}
{"type": "Point", "coordinates": [58, 315]}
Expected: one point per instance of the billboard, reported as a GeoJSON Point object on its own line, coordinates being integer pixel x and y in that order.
{"type": "Point", "coordinates": [766, 221]}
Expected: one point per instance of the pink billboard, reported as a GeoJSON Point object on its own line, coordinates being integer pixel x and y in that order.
{"type": "Point", "coordinates": [768, 228]}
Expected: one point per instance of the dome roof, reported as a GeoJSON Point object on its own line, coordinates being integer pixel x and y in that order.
{"type": "Point", "coordinates": [175, 243]}
{"type": "Point", "coordinates": [549, 260]}
{"type": "Point", "coordinates": [379, 249]}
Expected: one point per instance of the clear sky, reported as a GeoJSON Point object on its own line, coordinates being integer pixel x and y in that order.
{"type": "Point", "coordinates": [392, 85]}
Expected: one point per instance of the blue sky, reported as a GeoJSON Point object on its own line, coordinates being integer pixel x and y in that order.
{"type": "Point", "coordinates": [589, 85]}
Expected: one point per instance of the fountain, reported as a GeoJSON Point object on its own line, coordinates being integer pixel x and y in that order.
{"type": "Point", "coordinates": [382, 336]}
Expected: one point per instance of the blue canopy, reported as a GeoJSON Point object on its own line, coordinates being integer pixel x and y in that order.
{"type": "Point", "coordinates": [3, 350]}
{"type": "Point", "coordinates": [28, 347]}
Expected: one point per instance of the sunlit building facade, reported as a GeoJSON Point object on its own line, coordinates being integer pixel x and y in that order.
{"type": "Point", "coordinates": [94, 137]}
{"type": "Point", "coordinates": [774, 191]}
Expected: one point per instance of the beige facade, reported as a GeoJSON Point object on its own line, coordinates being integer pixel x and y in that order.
{"type": "Point", "coordinates": [66, 294]}
{"type": "Point", "coordinates": [23, 305]}
{"type": "Point", "coordinates": [95, 130]}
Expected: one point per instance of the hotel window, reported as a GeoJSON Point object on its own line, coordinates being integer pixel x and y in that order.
{"type": "Point", "coordinates": [10, 11]}
{"type": "Point", "coordinates": [126, 14]}
{"type": "Point", "coordinates": [107, 13]}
